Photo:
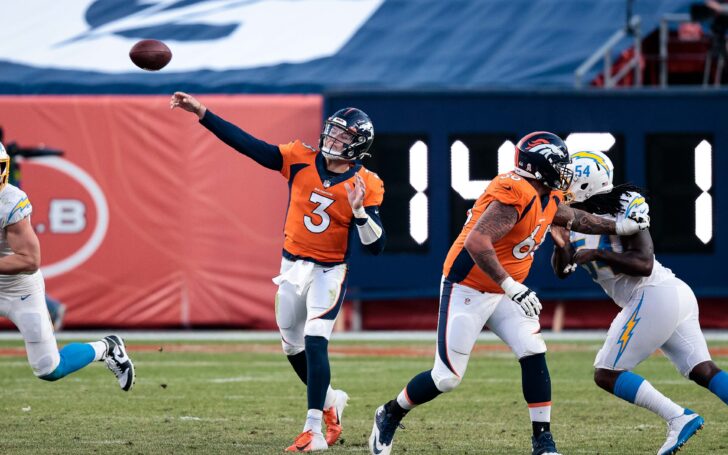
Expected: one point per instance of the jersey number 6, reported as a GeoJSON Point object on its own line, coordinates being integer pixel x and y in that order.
{"type": "Point", "coordinates": [320, 210]}
{"type": "Point", "coordinates": [528, 245]}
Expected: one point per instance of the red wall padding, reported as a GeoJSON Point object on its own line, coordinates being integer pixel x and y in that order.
{"type": "Point", "coordinates": [194, 229]}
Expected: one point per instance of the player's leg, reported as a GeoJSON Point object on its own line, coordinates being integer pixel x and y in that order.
{"type": "Point", "coordinates": [324, 298]}
{"type": "Point", "coordinates": [523, 335]}
{"type": "Point", "coordinates": [291, 317]}
{"type": "Point", "coordinates": [710, 376]}
{"type": "Point", "coordinates": [688, 351]}
{"type": "Point", "coordinates": [31, 317]}
{"type": "Point", "coordinates": [463, 312]}
{"type": "Point", "coordinates": [640, 329]}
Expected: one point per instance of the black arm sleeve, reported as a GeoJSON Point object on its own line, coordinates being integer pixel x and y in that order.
{"type": "Point", "coordinates": [263, 153]}
{"type": "Point", "coordinates": [377, 247]}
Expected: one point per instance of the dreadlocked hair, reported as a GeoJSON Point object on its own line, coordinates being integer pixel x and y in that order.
{"type": "Point", "coordinates": [608, 203]}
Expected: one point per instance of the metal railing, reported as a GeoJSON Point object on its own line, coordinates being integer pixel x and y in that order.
{"type": "Point", "coordinates": [665, 22]}
{"type": "Point", "coordinates": [605, 52]}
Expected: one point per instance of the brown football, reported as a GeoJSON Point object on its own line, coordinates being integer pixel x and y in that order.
{"type": "Point", "coordinates": [150, 54]}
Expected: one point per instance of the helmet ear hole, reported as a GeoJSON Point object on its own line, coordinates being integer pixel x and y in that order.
{"type": "Point", "coordinates": [584, 185]}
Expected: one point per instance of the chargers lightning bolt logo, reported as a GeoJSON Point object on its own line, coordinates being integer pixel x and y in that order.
{"type": "Point", "coordinates": [628, 330]}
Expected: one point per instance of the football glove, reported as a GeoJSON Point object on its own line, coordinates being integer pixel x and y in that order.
{"type": "Point", "coordinates": [633, 224]}
{"type": "Point", "coordinates": [523, 296]}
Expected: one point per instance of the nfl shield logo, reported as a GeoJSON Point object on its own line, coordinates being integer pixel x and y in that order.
{"type": "Point", "coordinates": [327, 184]}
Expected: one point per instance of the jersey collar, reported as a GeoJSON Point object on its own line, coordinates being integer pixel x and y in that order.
{"type": "Point", "coordinates": [329, 178]}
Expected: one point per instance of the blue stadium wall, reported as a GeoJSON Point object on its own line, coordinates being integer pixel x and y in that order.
{"type": "Point", "coordinates": [656, 134]}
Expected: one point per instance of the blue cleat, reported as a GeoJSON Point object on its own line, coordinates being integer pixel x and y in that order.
{"type": "Point", "coordinates": [679, 430]}
{"type": "Point", "coordinates": [544, 444]}
{"type": "Point", "coordinates": [385, 424]}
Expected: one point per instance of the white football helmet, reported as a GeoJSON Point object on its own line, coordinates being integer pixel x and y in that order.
{"type": "Point", "coordinates": [4, 166]}
{"type": "Point", "coordinates": [593, 174]}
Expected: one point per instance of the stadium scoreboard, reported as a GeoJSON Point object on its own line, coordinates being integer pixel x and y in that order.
{"type": "Point", "coordinates": [436, 154]}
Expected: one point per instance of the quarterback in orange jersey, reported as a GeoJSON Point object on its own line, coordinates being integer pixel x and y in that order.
{"type": "Point", "coordinates": [331, 196]}
{"type": "Point", "coordinates": [482, 284]}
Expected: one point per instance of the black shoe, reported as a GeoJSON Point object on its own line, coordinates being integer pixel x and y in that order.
{"type": "Point", "coordinates": [118, 362]}
{"type": "Point", "coordinates": [544, 444]}
{"type": "Point", "coordinates": [385, 424]}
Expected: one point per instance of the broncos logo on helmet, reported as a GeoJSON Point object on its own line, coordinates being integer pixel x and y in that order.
{"type": "Point", "coordinates": [348, 134]}
{"type": "Point", "coordinates": [543, 156]}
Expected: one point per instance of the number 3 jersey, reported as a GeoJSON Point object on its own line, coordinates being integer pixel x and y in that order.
{"type": "Point", "coordinates": [619, 286]}
{"type": "Point", "coordinates": [14, 207]}
{"type": "Point", "coordinates": [319, 221]}
{"type": "Point", "coordinates": [515, 249]}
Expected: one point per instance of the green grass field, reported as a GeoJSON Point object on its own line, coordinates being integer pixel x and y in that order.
{"type": "Point", "coordinates": [214, 398]}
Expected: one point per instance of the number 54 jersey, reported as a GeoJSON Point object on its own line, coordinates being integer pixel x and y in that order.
{"type": "Point", "coordinates": [515, 250]}
{"type": "Point", "coordinates": [319, 222]}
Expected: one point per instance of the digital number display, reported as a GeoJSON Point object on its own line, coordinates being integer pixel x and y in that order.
{"type": "Point", "coordinates": [401, 160]}
{"type": "Point", "coordinates": [680, 191]}
{"type": "Point", "coordinates": [474, 160]}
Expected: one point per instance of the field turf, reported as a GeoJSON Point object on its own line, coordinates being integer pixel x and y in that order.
{"type": "Point", "coordinates": [243, 397]}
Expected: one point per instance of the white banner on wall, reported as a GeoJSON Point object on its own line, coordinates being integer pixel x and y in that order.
{"type": "Point", "coordinates": [96, 35]}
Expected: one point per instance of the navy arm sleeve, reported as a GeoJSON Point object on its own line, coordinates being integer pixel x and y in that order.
{"type": "Point", "coordinates": [263, 153]}
{"type": "Point", "coordinates": [377, 247]}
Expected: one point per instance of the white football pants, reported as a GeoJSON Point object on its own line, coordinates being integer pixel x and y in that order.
{"type": "Point", "coordinates": [664, 317]}
{"type": "Point", "coordinates": [311, 305]}
{"type": "Point", "coordinates": [463, 313]}
{"type": "Point", "coordinates": [30, 316]}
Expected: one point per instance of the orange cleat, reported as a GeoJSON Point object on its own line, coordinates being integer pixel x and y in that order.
{"type": "Point", "coordinates": [308, 441]}
{"type": "Point", "coordinates": [332, 417]}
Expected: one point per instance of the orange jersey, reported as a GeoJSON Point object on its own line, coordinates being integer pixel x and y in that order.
{"type": "Point", "coordinates": [515, 249]}
{"type": "Point", "coordinates": [319, 220]}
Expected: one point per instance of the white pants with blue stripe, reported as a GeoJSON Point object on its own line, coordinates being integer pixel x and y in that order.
{"type": "Point", "coordinates": [664, 317]}
{"type": "Point", "coordinates": [464, 312]}
{"type": "Point", "coordinates": [308, 302]}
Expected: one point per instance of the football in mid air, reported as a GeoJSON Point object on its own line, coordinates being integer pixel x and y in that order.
{"type": "Point", "coordinates": [150, 54]}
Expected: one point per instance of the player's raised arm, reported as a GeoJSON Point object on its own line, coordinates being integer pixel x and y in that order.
{"type": "Point", "coordinates": [562, 259]}
{"type": "Point", "coordinates": [368, 223]}
{"type": "Point", "coordinates": [497, 220]}
{"type": "Point", "coordinates": [263, 153]}
{"type": "Point", "coordinates": [22, 240]}
{"type": "Point", "coordinates": [586, 223]}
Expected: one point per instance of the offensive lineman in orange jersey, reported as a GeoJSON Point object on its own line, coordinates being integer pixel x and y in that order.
{"type": "Point", "coordinates": [482, 285]}
{"type": "Point", "coordinates": [330, 194]}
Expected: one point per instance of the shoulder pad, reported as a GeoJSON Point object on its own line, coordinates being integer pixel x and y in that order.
{"type": "Point", "coordinates": [14, 205]}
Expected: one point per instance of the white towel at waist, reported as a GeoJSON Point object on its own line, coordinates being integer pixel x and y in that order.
{"type": "Point", "coordinates": [298, 273]}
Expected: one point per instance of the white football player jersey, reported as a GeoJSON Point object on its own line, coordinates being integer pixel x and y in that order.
{"type": "Point", "coordinates": [619, 286]}
{"type": "Point", "coordinates": [14, 206]}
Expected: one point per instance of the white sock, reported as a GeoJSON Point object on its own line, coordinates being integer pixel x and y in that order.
{"type": "Point", "coordinates": [403, 401]}
{"type": "Point", "coordinates": [648, 397]}
{"type": "Point", "coordinates": [313, 420]}
{"type": "Point", "coordinates": [330, 397]}
{"type": "Point", "coordinates": [99, 349]}
{"type": "Point", "coordinates": [540, 413]}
